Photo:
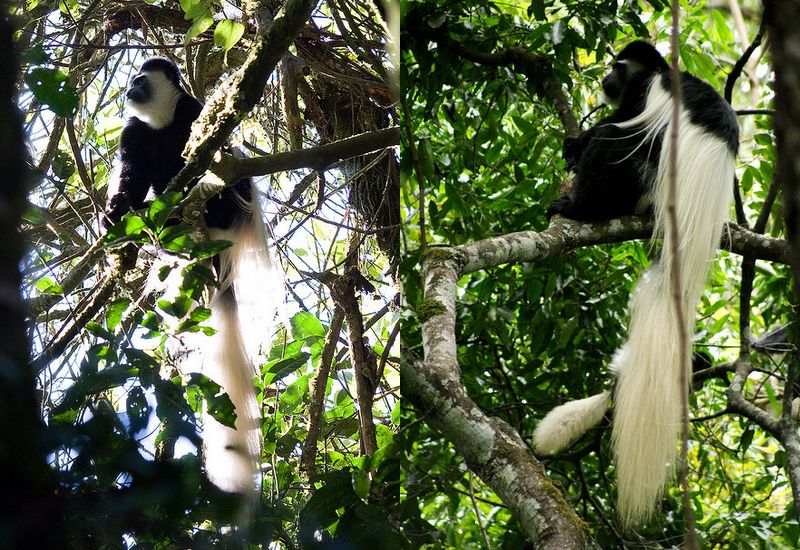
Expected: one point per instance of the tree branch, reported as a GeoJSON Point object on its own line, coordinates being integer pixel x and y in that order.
{"type": "Point", "coordinates": [738, 404]}
{"type": "Point", "coordinates": [488, 445]}
{"type": "Point", "coordinates": [123, 260]}
{"type": "Point", "coordinates": [365, 367]}
{"type": "Point", "coordinates": [318, 386]}
{"type": "Point", "coordinates": [781, 17]}
{"type": "Point", "coordinates": [564, 235]}
{"type": "Point", "coordinates": [77, 274]}
{"type": "Point", "coordinates": [317, 158]}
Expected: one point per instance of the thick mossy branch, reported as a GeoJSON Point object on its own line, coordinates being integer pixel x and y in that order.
{"type": "Point", "coordinates": [565, 235]}
{"type": "Point", "coordinates": [240, 93]}
{"type": "Point", "coordinates": [488, 445]}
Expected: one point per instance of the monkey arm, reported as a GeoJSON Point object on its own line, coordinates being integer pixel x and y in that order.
{"type": "Point", "coordinates": [574, 148]}
{"type": "Point", "coordinates": [131, 180]}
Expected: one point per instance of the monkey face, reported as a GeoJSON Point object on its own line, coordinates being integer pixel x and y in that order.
{"type": "Point", "coordinates": [139, 90]}
{"type": "Point", "coordinates": [152, 97]}
{"type": "Point", "coordinates": [615, 81]}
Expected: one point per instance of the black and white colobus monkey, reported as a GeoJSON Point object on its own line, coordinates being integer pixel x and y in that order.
{"type": "Point", "coordinates": [150, 156]}
{"type": "Point", "coordinates": [621, 167]}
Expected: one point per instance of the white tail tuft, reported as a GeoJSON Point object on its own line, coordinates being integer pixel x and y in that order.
{"type": "Point", "coordinates": [255, 276]}
{"type": "Point", "coordinates": [566, 423]}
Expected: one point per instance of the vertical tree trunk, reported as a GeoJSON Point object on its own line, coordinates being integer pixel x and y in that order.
{"type": "Point", "coordinates": [28, 511]}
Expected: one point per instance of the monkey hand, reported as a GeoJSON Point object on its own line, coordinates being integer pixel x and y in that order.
{"type": "Point", "coordinates": [572, 152]}
{"type": "Point", "coordinates": [574, 148]}
{"type": "Point", "coordinates": [117, 206]}
{"type": "Point", "coordinates": [559, 206]}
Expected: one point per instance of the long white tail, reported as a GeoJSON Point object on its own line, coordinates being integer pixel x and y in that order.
{"type": "Point", "coordinates": [231, 455]}
{"type": "Point", "coordinates": [648, 394]}
{"type": "Point", "coordinates": [243, 313]}
{"type": "Point", "coordinates": [648, 397]}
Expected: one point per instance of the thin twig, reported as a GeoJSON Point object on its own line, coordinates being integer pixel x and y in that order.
{"type": "Point", "coordinates": [677, 290]}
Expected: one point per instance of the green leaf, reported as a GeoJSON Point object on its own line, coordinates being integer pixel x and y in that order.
{"type": "Point", "coordinates": [46, 285]}
{"type": "Point", "coordinates": [346, 427]}
{"type": "Point", "coordinates": [34, 55]}
{"type": "Point", "coordinates": [200, 25]}
{"type": "Point", "coordinates": [53, 88]}
{"type": "Point", "coordinates": [99, 330]}
{"type": "Point", "coordinates": [137, 408]}
{"type": "Point", "coordinates": [33, 214]}
{"type": "Point", "coordinates": [305, 325]}
{"type": "Point", "coordinates": [228, 33]}
{"type": "Point", "coordinates": [396, 413]}
{"type": "Point", "coordinates": [208, 249]}
{"type": "Point", "coordinates": [776, 405]}
{"type": "Point", "coordinates": [114, 312]}
{"type": "Point", "coordinates": [129, 228]}
{"type": "Point", "coordinates": [194, 8]}
{"type": "Point", "coordinates": [200, 314]}
{"type": "Point", "coordinates": [93, 383]}
{"type": "Point", "coordinates": [366, 526]}
{"type": "Point", "coordinates": [294, 395]}
{"type": "Point", "coordinates": [426, 160]}
{"type": "Point", "coordinates": [197, 316]}
{"type": "Point", "coordinates": [68, 6]}
{"type": "Point", "coordinates": [218, 404]}
{"type": "Point", "coordinates": [537, 10]}
{"type": "Point", "coordinates": [179, 307]}
{"type": "Point", "coordinates": [361, 483]}
{"type": "Point", "coordinates": [163, 207]}
{"type": "Point", "coordinates": [63, 165]}
{"type": "Point", "coordinates": [195, 278]}
{"type": "Point", "coordinates": [384, 435]}
{"type": "Point", "coordinates": [285, 367]}
{"type": "Point", "coordinates": [320, 510]}
{"type": "Point", "coordinates": [177, 238]}
{"type": "Point", "coordinates": [386, 446]}
{"type": "Point", "coordinates": [723, 27]}
{"type": "Point", "coordinates": [747, 438]}
{"type": "Point", "coordinates": [145, 363]}
{"type": "Point", "coordinates": [152, 321]}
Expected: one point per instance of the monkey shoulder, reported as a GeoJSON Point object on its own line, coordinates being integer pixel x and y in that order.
{"type": "Point", "coordinates": [709, 110]}
{"type": "Point", "coordinates": [186, 111]}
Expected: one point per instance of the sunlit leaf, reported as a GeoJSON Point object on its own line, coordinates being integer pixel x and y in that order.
{"type": "Point", "coordinates": [228, 33]}
{"type": "Point", "coordinates": [53, 88]}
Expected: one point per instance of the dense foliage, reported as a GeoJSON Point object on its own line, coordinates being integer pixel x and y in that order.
{"type": "Point", "coordinates": [482, 157]}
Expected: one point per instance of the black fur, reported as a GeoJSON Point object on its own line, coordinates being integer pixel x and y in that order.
{"type": "Point", "coordinates": [151, 157]}
{"type": "Point", "coordinates": [613, 169]}
{"type": "Point", "coordinates": [164, 65]}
